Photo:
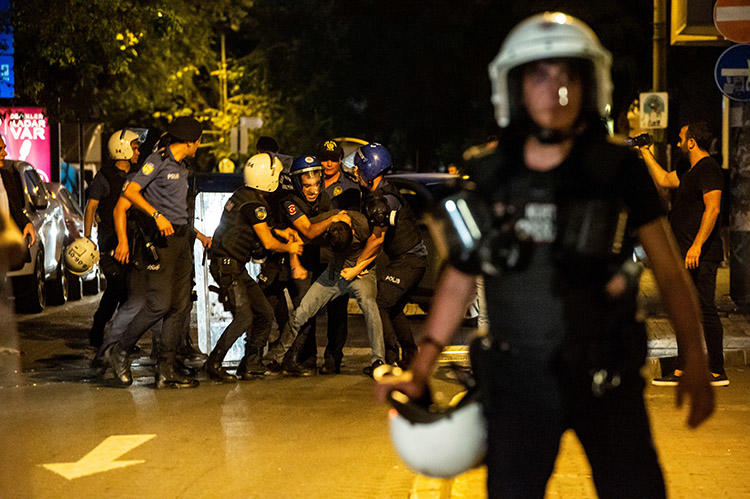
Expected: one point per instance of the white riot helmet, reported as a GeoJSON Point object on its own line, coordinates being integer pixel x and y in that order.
{"type": "Point", "coordinates": [119, 144]}
{"type": "Point", "coordinates": [262, 172]}
{"type": "Point", "coordinates": [439, 442]}
{"type": "Point", "coordinates": [81, 256]}
{"type": "Point", "coordinates": [549, 35]}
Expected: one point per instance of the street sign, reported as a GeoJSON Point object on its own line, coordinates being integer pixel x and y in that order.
{"type": "Point", "coordinates": [654, 109]}
{"type": "Point", "coordinates": [732, 72]}
{"type": "Point", "coordinates": [732, 19]}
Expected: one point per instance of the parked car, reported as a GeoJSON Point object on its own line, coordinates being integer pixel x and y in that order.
{"type": "Point", "coordinates": [42, 277]}
{"type": "Point", "coordinates": [90, 283]}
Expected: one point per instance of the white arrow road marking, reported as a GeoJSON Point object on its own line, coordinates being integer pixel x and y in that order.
{"type": "Point", "coordinates": [102, 458]}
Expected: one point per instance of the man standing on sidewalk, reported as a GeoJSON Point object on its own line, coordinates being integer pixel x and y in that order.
{"type": "Point", "coordinates": [695, 211]}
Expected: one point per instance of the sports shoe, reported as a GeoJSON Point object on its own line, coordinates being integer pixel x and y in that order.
{"type": "Point", "coordinates": [719, 379]}
{"type": "Point", "coordinates": [672, 379]}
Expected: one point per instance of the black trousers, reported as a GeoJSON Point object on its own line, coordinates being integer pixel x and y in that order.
{"type": "Point", "coordinates": [395, 282]}
{"type": "Point", "coordinates": [251, 311]}
{"type": "Point", "coordinates": [704, 278]}
{"type": "Point", "coordinates": [531, 400]}
{"type": "Point", "coordinates": [338, 328]}
{"type": "Point", "coordinates": [114, 295]}
{"type": "Point", "coordinates": [167, 292]}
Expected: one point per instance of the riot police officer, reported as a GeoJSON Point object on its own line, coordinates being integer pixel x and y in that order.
{"type": "Point", "coordinates": [308, 209]}
{"type": "Point", "coordinates": [244, 233]}
{"type": "Point", "coordinates": [396, 232]}
{"type": "Point", "coordinates": [547, 222]}
{"type": "Point", "coordinates": [160, 190]}
{"type": "Point", "coordinates": [345, 195]}
{"type": "Point", "coordinates": [105, 190]}
{"type": "Point", "coordinates": [343, 191]}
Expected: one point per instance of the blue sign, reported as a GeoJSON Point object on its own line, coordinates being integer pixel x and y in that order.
{"type": "Point", "coordinates": [732, 72]}
{"type": "Point", "coordinates": [7, 78]}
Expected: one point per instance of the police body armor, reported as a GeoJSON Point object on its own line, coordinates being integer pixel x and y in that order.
{"type": "Point", "coordinates": [405, 234]}
{"type": "Point", "coordinates": [592, 243]}
{"type": "Point", "coordinates": [234, 237]}
{"type": "Point", "coordinates": [106, 207]}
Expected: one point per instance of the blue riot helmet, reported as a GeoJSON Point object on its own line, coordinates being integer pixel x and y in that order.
{"type": "Point", "coordinates": [302, 165]}
{"type": "Point", "coordinates": [372, 160]}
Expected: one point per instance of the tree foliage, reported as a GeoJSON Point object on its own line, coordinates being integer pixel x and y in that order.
{"type": "Point", "coordinates": [409, 74]}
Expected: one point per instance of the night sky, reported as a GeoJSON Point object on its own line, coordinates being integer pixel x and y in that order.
{"type": "Point", "coordinates": [417, 71]}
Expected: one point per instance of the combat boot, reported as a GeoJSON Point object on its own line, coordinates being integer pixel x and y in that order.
{"type": "Point", "coordinates": [118, 359]}
{"type": "Point", "coordinates": [215, 370]}
{"type": "Point", "coordinates": [169, 377]}
{"type": "Point", "coordinates": [251, 366]}
{"type": "Point", "coordinates": [290, 366]}
{"type": "Point", "coordinates": [329, 366]}
{"type": "Point", "coordinates": [189, 355]}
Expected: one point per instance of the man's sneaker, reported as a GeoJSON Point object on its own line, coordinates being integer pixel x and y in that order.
{"type": "Point", "coordinates": [719, 379]}
{"type": "Point", "coordinates": [672, 379]}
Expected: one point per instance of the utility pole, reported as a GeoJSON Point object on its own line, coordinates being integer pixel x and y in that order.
{"type": "Point", "coordinates": [223, 75]}
{"type": "Point", "coordinates": [659, 72]}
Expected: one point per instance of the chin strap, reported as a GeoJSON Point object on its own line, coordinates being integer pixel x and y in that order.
{"type": "Point", "coordinates": [550, 136]}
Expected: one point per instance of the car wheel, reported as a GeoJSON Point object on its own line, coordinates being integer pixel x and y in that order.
{"type": "Point", "coordinates": [92, 286]}
{"type": "Point", "coordinates": [58, 286]}
{"type": "Point", "coordinates": [30, 291]}
{"type": "Point", "coordinates": [75, 289]}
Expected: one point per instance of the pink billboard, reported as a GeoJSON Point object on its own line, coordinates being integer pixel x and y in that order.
{"type": "Point", "coordinates": [26, 134]}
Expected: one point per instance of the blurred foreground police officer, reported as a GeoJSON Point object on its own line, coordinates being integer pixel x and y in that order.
{"type": "Point", "coordinates": [396, 232]}
{"type": "Point", "coordinates": [244, 233]}
{"type": "Point", "coordinates": [105, 190]}
{"type": "Point", "coordinates": [547, 224]}
{"type": "Point", "coordinates": [160, 189]}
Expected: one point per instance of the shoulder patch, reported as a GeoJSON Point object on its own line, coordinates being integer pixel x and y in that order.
{"type": "Point", "coordinates": [229, 205]}
{"type": "Point", "coordinates": [337, 190]}
{"type": "Point", "coordinates": [261, 213]}
{"type": "Point", "coordinates": [292, 209]}
{"type": "Point", "coordinates": [148, 169]}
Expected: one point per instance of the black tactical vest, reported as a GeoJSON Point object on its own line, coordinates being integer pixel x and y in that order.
{"type": "Point", "coordinates": [106, 207]}
{"type": "Point", "coordinates": [235, 237]}
{"type": "Point", "coordinates": [405, 235]}
{"type": "Point", "coordinates": [322, 204]}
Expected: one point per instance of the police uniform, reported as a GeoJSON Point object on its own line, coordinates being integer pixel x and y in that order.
{"type": "Point", "coordinates": [563, 354]}
{"type": "Point", "coordinates": [164, 184]}
{"type": "Point", "coordinates": [106, 189]}
{"type": "Point", "coordinates": [135, 275]}
{"type": "Point", "coordinates": [234, 243]}
{"type": "Point", "coordinates": [407, 255]}
{"type": "Point", "coordinates": [293, 207]}
{"type": "Point", "coordinates": [329, 285]}
{"type": "Point", "coordinates": [345, 195]}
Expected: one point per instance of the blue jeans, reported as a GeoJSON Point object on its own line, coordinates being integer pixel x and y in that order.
{"type": "Point", "coordinates": [364, 288]}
